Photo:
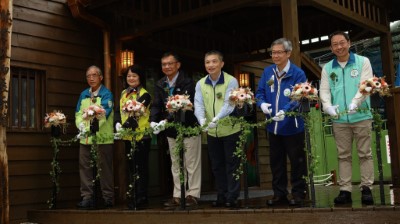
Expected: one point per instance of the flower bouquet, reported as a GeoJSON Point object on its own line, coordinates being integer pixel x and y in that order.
{"type": "Point", "coordinates": [179, 102]}
{"type": "Point", "coordinates": [134, 108]}
{"type": "Point", "coordinates": [304, 91]}
{"type": "Point", "coordinates": [374, 85]}
{"type": "Point", "coordinates": [93, 111]}
{"type": "Point", "coordinates": [239, 96]}
{"type": "Point", "coordinates": [55, 118]}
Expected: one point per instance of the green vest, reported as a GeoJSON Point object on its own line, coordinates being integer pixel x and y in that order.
{"type": "Point", "coordinates": [213, 99]}
{"type": "Point", "coordinates": [143, 122]}
{"type": "Point", "coordinates": [344, 84]}
{"type": "Point", "coordinates": [105, 135]}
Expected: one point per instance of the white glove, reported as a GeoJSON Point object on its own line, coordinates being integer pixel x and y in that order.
{"type": "Point", "coordinates": [118, 126]}
{"type": "Point", "coordinates": [213, 123]}
{"type": "Point", "coordinates": [352, 108]}
{"type": "Point", "coordinates": [266, 108]}
{"type": "Point", "coordinates": [153, 124]}
{"type": "Point", "coordinates": [279, 116]}
{"type": "Point", "coordinates": [332, 110]}
{"type": "Point", "coordinates": [202, 122]}
{"type": "Point", "coordinates": [82, 131]}
{"type": "Point", "coordinates": [161, 125]}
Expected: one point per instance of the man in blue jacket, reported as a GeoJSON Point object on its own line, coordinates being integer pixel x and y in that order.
{"type": "Point", "coordinates": [286, 134]}
{"type": "Point", "coordinates": [340, 80]}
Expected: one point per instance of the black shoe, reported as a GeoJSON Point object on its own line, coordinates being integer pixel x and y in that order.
{"type": "Point", "coordinates": [173, 202]}
{"type": "Point", "coordinates": [296, 200]}
{"type": "Point", "coordinates": [277, 200]}
{"type": "Point", "coordinates": [85, 204]}
{"type": "Point", "coordinates": [366, 196]}
{"type": "Point", "coordinates": [220, 202]}
{"type": "Point", "coordinates": [344, 197]}
{"type": "Point", "coordinates": [141, 203]}
{"type": "Point", "coordinates": [108, 204]}
{"type": "Point", "coordinates": [231, 204]}
{"type": "Point", "coordinates": [190, 201]}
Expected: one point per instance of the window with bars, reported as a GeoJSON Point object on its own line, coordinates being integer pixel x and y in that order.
{"type": "Point", "coordinates": [25, 99]}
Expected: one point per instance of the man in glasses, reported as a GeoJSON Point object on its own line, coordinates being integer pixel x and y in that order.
{"type": "Point", "coordinates": [175, 82]}
{"type": "Point", "coordinates": [351, 117]}
{"type": "Point", "coordinates": [285, 133]}
{"type": "Point", "coordinates": [96, 94]}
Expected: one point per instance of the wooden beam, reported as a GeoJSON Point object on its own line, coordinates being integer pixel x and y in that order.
{"type": "Point", "coordinates": [353, 17]}
{"type": "Point", "coordinates": [392, 107]}
{"type": "Point", "coordinates": [291, 28]}
{"type": "Point", "coordinates": [6, 12]}
{"type": "Point", "coordinates": [186, 17]}
{"type": "Point", "coordinates": [311, 65]}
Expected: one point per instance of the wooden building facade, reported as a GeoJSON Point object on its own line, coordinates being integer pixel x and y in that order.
{"type": "Point", "coordinates": [54, 41]}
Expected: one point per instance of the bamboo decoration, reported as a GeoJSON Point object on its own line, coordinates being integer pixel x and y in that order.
{"type": "Point", "coordinates": [5, 54]}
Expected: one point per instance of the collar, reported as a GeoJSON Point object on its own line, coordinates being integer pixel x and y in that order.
{"type": "Point", "coordinates": [352, 60]}
{"type": "Point", "coordinates": [284, 70]}
{"type": "Point", "coordinates": [130, 89]}
{"type": "Point", "coordinates": [220, 79]}
{"type": "Point", "coordinates": [173, 81]}
{"type": "Point", "coordinates": [95, 93]}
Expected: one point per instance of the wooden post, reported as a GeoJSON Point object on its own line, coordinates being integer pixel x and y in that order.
{"type": "Point", "coordinates": [392, 107]}
{"type": "Point", "coordinates": [290, 24]}
{"type": "Point", "coordinates": [5, 55]}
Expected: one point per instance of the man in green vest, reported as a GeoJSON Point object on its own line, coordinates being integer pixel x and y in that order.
{"type": "Point", "coordinates": [212, 106]}
{"type": "Point", "coordinates": [99, 95]}
{"type": "Point", "coordinates": [351, 117]}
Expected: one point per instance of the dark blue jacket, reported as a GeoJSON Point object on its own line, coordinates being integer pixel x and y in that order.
{"type": "Point", "coordinates": [278, 95]}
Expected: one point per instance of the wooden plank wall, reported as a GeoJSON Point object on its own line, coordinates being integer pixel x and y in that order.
{"type": "Point", "coordinates": [46, 37]}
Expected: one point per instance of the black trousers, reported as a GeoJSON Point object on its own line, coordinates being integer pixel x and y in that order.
{"type": "Point", "coordinates": [291, 146]}
{"type": "Point", "coordinates": [139, 164]}
{"type": "Point", "coordinates": [224, 164]}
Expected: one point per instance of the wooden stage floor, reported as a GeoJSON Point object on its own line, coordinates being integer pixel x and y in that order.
{"type": "Point", "coordinates": [252, 210]}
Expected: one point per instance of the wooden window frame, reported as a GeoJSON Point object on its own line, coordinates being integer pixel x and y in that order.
{"type": "Point", "coordinates": [27, 74]}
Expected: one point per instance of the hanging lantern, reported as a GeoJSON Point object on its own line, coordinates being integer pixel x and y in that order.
{"type": "Point", "coordinates": [127, 59]}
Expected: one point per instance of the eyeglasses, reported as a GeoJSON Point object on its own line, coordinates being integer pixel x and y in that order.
{"type": "Point", "coordinates": [279, 53]}
{"type": "Point", "coordinates": [88, 76]}
{"type": "Point", "coordinates": [168, 64]}
{"type": "Point", "coordinates": [337, 44]}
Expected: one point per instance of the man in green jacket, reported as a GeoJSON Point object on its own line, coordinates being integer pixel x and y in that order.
{"type": "Point", "coordinates": [211, 105]}
{"type": "Point", "coordinates": [99, 95]}
{"type": "Point", "coordinates": [351, 117]}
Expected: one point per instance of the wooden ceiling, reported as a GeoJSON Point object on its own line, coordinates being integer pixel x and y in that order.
{"type": "Point", "coordinates": [241, 29]}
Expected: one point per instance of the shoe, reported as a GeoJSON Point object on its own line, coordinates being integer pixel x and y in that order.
{"type": "Point", "coordinates": [85, 204]}
{"type": "Point", "coordinates": [108, 204]}
{"type": "Point", "coordinates": [231, 204]}
{"type": "Point", "coordinates": [141, 202]}
{"type": "Point", "coordinates": [366, 196]}
{"type": "Point", "coordinates": [296, 200]}
{"type": "Point", "coordinates": [173, 202]}
{"type": "Point", "coordinates": [190, 201]}
{"type": "Point", "coordinates": [220, 202]}
{"type": "Point", "coordinates": [344, 197]}
{"type": "Point", "coordinates": [277, 200]}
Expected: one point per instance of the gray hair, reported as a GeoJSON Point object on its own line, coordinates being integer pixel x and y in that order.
{"type": "Point", "coordinates": [287, 45]}
{"type": "Point", "coordinates": [98, 70]}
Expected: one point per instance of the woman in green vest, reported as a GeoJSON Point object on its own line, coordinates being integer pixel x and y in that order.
{"type": "Point", "coordinates": [134, 81]}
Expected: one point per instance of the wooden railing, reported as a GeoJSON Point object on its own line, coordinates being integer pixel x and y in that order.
{"type": "Point", "coordinates": [371, 10]}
